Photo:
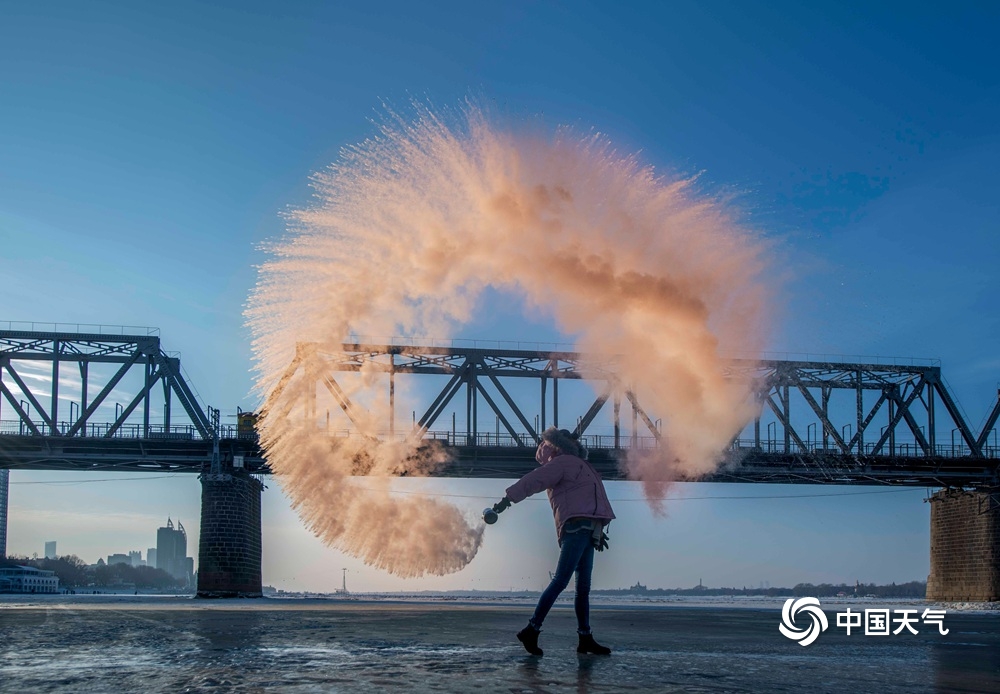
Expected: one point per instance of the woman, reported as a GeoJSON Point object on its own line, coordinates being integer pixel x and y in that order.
{"type": "Point", "coordinates": [582, 510]}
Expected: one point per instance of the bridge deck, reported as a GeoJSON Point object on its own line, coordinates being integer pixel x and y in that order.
{"type": "Point", "coordinates": [744, 463]}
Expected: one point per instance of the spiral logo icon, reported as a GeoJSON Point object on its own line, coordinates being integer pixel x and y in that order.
{"type": "Point", "coordinates": [811, 607]}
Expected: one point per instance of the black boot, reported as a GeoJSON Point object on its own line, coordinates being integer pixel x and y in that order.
{"type": "Point", "coordinates": [588, 645]}
{"type": "Point", "coordinates": [529, 637]}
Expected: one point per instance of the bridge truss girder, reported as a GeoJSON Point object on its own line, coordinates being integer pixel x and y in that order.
{"type": "Point", "coordinates": [907, 395]}
{"type": "Point", "coordinates": [128, 352]}
{"type": "Point", "coordinates": [477, 371]}
{"type": "Point", "coordinates": [913, 401]}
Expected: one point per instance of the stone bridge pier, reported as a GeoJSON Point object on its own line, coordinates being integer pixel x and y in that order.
{"type": "Point", "coordinates": [965, 546]}
{"type": "Point", "coordinates": [229, 547]}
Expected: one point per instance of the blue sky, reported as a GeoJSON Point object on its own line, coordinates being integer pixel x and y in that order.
{"type": "Point", "coordinates": [146, 152]}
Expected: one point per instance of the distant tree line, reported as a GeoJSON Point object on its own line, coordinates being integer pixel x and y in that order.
{"type": "Point", "coordinates": [75, 573]}
{"type": "Point", "coordinates": [913, 589]}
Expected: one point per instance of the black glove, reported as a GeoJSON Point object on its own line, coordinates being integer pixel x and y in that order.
{"type": "Point", "coordinates": [599, 539]}
{"type": "Point", "coordinates": [502, 505]}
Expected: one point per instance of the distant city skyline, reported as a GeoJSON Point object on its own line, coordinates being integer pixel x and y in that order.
{"type": "Point", "coordinates": [171, 544]}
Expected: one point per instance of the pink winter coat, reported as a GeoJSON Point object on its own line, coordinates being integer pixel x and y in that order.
{"type": "Point", "coordinates": [575, 490]}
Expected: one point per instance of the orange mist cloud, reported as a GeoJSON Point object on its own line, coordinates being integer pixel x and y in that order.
{"type": "Point", "coordinates": [409, 227]}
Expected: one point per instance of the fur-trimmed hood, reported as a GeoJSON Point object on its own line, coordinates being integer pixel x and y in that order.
{"type": "Point", "coordinates": [565, 441]}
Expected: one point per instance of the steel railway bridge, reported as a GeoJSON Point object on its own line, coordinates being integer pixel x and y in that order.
{"type": "Point", "coordinates": [106, 400]}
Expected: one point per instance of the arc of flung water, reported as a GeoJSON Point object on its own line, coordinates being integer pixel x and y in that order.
{"type": "Point", "coordinates": [410, 227]}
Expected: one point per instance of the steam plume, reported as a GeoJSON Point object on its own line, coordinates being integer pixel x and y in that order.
{"type": "Point", "coordinates": [409, 227]}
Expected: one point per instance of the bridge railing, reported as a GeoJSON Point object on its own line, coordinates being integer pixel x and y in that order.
{"type": "Point", "coordinates": [605, 442]}
{"type": "Point", "coordinates": [86, 328]}
{"type": "Point", "coordinates": [101, 429]}
{"type": "Point", "coordinates": [910, 449]}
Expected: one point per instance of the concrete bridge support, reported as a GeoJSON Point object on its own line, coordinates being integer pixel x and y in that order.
{"type": "Point", "coordinates": [965, 546]}
{"type": "Point", "coordinates": [229, 547]}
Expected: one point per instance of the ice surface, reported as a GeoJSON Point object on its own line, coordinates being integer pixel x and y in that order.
{"type": "Point", "coordinates": [150, 645]}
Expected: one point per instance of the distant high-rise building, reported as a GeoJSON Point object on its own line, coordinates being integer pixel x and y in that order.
{"type": "Point", "coordinates": [171, 551]}
{"type": "Point", "coordinates": [135, 558]}
{"type": "Point", "coordinates": [4, 478]}
{"type": "Point", "coordinates": [119, 559]}
{"type": "Point", "coordinates": [151, 557]}
{"type": "Point", "coordinates": [50, 550]}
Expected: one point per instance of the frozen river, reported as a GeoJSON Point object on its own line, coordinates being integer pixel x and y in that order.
{"type": "Point", "coordinates": [155, 644]}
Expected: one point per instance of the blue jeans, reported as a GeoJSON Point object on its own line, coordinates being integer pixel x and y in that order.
{"type": "Point", "coordinates": [576, 554]}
